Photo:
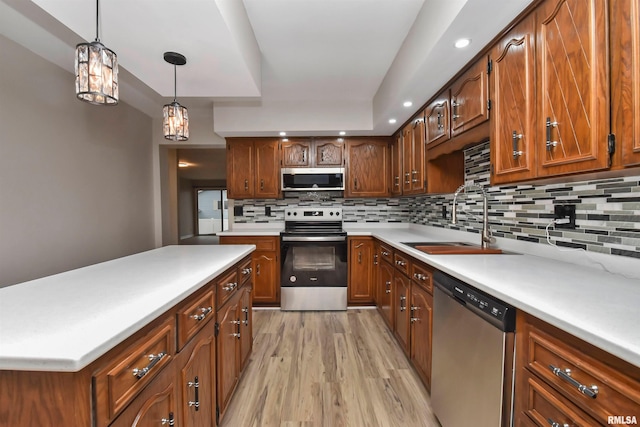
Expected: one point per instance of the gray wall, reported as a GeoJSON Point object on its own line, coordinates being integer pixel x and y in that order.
{"type": "Point", "coordinates": [75, 179]}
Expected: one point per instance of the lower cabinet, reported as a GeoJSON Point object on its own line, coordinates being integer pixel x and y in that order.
{"type": "Point", "coordinates": [361, 271]}
{"type": "Point", "coordinates": [562, 380]}
{"type": "Point", "coordinates": [402, 293]}
{"type": "Point", "coordinates": [385, 295]}
{"type": "Point", "coordinates": [234, 331]}
{"type": "Point", "coordinates": [421, 324]}
{"type": "Point", "coordinates": [265, 262]}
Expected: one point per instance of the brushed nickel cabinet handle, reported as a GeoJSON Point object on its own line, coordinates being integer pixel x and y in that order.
{"type": "Point", "coordinates": [153, 361]}
{"type": "Point", "coordinates": [203, 313]}
{"type": "Point", "coordinates": [565, 374]}
{"type": "Point", "coordinates": [516, 153]}
{"type": "Point", "coordinates": [550, 125]}
{"type": "Point", "coordinates": [196, 385]}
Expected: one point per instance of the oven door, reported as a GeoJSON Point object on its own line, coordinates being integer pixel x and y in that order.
{"type": "Point", "coordinates": [314, 261]}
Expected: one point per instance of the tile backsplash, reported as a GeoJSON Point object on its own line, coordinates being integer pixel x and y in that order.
{"type": "Point", "coordinates": [607, 210]}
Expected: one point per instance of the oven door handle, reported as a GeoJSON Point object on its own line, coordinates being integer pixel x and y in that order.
{"type": "Point", "coordinates": [314, 238]}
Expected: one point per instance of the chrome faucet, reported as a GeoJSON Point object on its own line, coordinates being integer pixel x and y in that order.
{"type": "Point", "coordinates": [485, 236]}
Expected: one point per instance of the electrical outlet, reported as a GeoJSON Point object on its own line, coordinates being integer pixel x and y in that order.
{"type": "Point", "coordinates": [566, 212]}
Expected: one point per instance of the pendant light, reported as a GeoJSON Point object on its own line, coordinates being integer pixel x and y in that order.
{"type": "Point", "coordinates": [96, 70]}
{"type": "Point", "coordinates": [175, 118]}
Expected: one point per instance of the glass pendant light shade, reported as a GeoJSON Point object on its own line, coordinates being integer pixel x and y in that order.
{"type": "Point", "coordinates": [96, 74]}
{"type": "Point", "coordinates": [96, 69]}
{"type": "Point", "coordinates": [175, 122]}
{"type": "Point", "coordinates": [175, 118]}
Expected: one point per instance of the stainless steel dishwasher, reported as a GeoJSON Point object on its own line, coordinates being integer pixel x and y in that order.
{"type": "Point", "coordinates": [473, 356]}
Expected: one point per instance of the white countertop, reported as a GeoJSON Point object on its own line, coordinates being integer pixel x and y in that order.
{"type": "Point", "coordinates": [66, 321]}
{"type": "Point", "coordinates": [597, 306]}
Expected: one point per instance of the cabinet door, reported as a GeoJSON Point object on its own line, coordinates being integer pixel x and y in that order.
{"type": "Point", "coordinates": [296, 153]}
{"type": "Point", "coordinates": [513, 103]}
{"type": "Point", "coordinates": [421, 325]}
{"type": "Point", "coordinates": [436, 117]}
{"type": "Point", "coordinates": [155, 404]}
{"type": "Point", "coordinates": [368, 174]}
{"type": "Point", "coordinates": [469, 96]}
{"type": "Point", "coordinates": [625, 79]}
{"type": "Point", "coordinates": [197, 379]}
{"type": "Point", "coordinates": [228, 350]}
{"type": "Point", "coordinates": [246, 325]}
{"type": "Point", "coordinates": [418, 172]}
{"type": "Point", "coordinates": [573, 77]}
{"type": "Point", "coordinates": [402, 286]}
{"type": "Point", "coordinates": [396, 165]}
{"type": "Point", "coordinates": [266, 277]}
{"type": "Point", "coordinates": [240, 171]}
{"type": "Point", "coordinates": [267, 170]}
{"type": "Point", "coordinates": [385, 292]}
{"type": "Point", "coordinates": [328, 153]}
{"type": "Point", "coordinates": [360, 289]}
{"type": "Point", "coordinates": [407, 157]}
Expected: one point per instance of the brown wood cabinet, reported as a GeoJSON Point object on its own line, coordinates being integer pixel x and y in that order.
{"type": "Point", "coordinates": [413, 164]}
{"type": "Point", "coordinates": [368, 166]}
{"type": "Point", "coordinates": [421, 326]}
{"type": "Point", "coordinates": [550, 366]}
{"type": "Point", "coordinates": [312, 152]}
{"type": "Point", "coordinates": [265, 265]}
{"type": "Point", "coordinates": [513, 102]}
{"type": "Point", "coordinates": [197, 379]}
{"type": "Point", "coordinates": [253, 168]}
{"type": "Point", "coordinates": [402, 294]}
{"type": "Point", "coordinates": [228, 350]}
{"type": "Point", "coordinates": [361, 271]}
{"type": "Point", "coordinates": [396, 165]}
{"type": "Point", "coordinates": [573, 86]}
{"type": "Point", "coordinates": [295, 153]}
{"type": "Point", "coordinates": [625, 79]}
{"type": "Point", "coordinates": [384, 280]}
{"type": "Point", "coordinates": [436, 117]}
{"type": "Point", "coordinates": [469, 98]}
{"type": "Point", "coordinates": [246, 324]}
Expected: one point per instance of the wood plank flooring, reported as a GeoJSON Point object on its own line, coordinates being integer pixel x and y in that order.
{"type": "Point", "coordinates": [327, 369]}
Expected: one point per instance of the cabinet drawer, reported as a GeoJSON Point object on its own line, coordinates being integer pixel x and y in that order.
{"type": "Point", "coordinates": [226, 286]}
{"type": "Point", "coordinates": [386, 253]}
{"type": "Point", "coordinates": [262, 243]}
{"type": "Point", "coordinates": [568, 364]}
{"type": "Point", "coordinates": [421, 274]}
{"type": "Point", "coordinates": [194, 314]}
{"type": "Point", "coordinates": [245, 271]}
{"type": "Point", "coordinates": [402, 263]}
{"type": "Point", "coordinates": [545, 406]}
{"type": "Point", "coordinates": [132, 369]}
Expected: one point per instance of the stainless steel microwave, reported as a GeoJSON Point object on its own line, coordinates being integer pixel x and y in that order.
{"type": "Point", "coordinates": [312, 179]}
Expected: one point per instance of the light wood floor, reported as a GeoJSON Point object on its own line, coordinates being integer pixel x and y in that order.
{"type": "Point", "coordinates": [327, 369]}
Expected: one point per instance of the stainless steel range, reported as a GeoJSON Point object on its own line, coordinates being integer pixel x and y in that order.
{"type": "Point", "coordinates": [313, 260]}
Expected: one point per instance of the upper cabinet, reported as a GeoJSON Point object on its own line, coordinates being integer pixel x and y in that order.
{"type": "Point", "coordinates": [396, 165]}
{"type": "Point", "coordinates": [625, 79]}
{"type": "Point", "coordinates": [513, 105]}
{"type": "Point", "coordinates": [436, 117]}
{"type": "Point", "coordinates": [317, 153]}
{"type": "Point", "coordinates": [368, 167]}
{"type": "Point", "coordinates": [470, 98]}
{"type": "Point", "coordinates": [573, 86]}
{"type": "Point", "coordinates": [253, 168]}
{"type": "Point", "coordinates": [413, 164]}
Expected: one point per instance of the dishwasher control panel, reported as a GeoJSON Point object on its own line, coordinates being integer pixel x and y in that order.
{"type": "Point", "coordinates": [492, 309]}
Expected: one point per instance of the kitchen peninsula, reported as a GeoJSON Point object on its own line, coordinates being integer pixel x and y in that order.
{"type": "Point", "coordinates": [89, 342]}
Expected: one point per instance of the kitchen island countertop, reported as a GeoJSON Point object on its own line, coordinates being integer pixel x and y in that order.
{"type": "Point", "coordinates": [66, 321]}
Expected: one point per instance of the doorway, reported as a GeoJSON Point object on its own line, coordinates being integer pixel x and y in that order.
{"type": "Point", "coordinates": [212, 211]}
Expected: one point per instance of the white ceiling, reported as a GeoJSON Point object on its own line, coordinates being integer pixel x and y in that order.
{"type": "Point", "coordinates": [263, 66]}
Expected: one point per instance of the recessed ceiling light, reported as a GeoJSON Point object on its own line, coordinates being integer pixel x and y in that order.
{"type": "Point", "coordinates": [342, 133]}
{"type": "Point", "coordinates": [183, 164]}
{"type": "Point", "coordinates": [407, 103]}
{"type": "Point", "coordinates": [462, 43]}
{"type": "Point", "coordinates": [283, 133]}
{"type": "Point", "coordinates": [392, 121]}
